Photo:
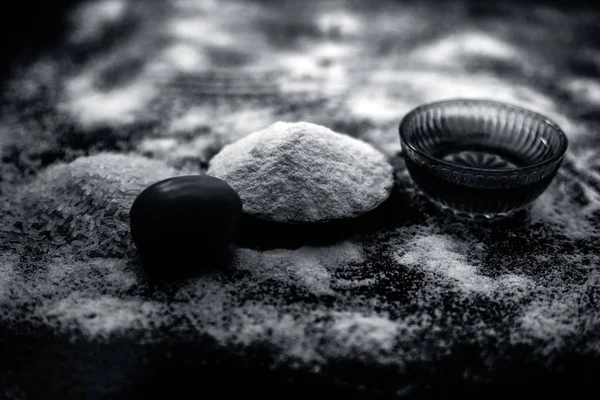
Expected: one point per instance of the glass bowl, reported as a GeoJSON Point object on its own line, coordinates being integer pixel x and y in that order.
{"type": "Point", "coordinates": [480, 159]}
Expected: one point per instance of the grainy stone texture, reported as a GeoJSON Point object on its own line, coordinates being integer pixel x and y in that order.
{"type": "Point", "coordinates": [408, 302]}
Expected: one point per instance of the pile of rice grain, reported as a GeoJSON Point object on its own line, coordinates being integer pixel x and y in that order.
{"type": "Point", "coordinates": [82, 207]}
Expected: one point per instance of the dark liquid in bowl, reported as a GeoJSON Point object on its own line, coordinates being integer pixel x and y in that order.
{"type": "Point", "coordinates": [480, 156]}
{"type": "Point", "coordinates": [472, 200]}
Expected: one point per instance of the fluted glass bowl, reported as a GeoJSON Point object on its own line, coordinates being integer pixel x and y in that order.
{"type": "Point", "coordinates": [480, 159]}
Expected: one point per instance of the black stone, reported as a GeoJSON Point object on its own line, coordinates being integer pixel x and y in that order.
{"type": "Point", "coordinates": [184, 225]}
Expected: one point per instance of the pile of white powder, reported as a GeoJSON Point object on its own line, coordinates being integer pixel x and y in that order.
{"type": "Point", "coordinates": [302, 172]}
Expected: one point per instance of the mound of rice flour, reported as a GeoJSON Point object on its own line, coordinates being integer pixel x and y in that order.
{"type": "Point", "coordinates": [302, 172]}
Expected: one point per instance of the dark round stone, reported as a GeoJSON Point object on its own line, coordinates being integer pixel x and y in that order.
{"type": "Point", "coordinates": [184, 224]}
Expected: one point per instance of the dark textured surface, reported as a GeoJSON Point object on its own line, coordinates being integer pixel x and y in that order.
{"type": "Point", "coordinates": [403, 301]}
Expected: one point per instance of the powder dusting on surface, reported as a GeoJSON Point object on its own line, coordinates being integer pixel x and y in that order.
{"type": "Point", "coordinates": [99, 317]}
{"type": "Point", "coordinates": [572, 205]}
{"type": "Point", "coordinates": [116, 106]}
{"type": "Point", "coordinates": [93, 17]}
{"type": "Point", "coordinates": [365, 334]}
{"type": "Point", "coordinates": [7, 274]}
{"type": "Point", "coordinates": [437, 254]}
{"type": "Point", "coordinates": [403, 301]}
{"type": "Point", "coordinates": [585, 89]}
{"type": "Point", "coordinates": [308, 267]}
{"type": "Point", "coordinates": [303, 172]}
{"type": "Point", "coordinates": [402, 298]}
{"type": "Point", "coordinates": [452, 50]}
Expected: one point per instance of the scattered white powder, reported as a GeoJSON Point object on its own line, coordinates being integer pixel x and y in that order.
{"type": "Point", "coordinates": [260, 323]}
{"type": "Point", "coordinates": [238, 123]}
{"type": "Point", "coordinates": [92, 276]}
{"type": "Point", "coordinates": [514, 287]}
{"type": "Point", "coordinates": [377, 103]}
{"type": "Point", "coordinates": [441, 256]}
{"type": "Point", "coordinates": [7, 274]}
{"type": "Point", "coordinates": [584, 89]}
{"type": "Point", "coordinates": [197, 5]}
{"type": "Point", "coordinates": [191, 120]}
{"type": "Point", "coordinates": [102, 316]}
{"type": "Point", "coordinates": [181, 153]}
{"type": "Point", "coordinates": [200, 148]}
{"type": "Point", "coordinates": [382, 138]}
{"type": "Point", "coordinates": [92, 106]}
{"type": "Point", "coordinates": [37, 77]}
{"type": "Point", "coordinates": [253, 303]}
{"type": "Point", "coordinates": [404, 297]}
{"type": "Point", "coordinates": [554, 317]}
{"type": "Point", "coordinates": [212, 128]}
{"type": "Point", "coordinates": [376, 337]}
{"type": "Point", "coordinates": [549, 320]}
{"type": "Point", "coordinates": [226, 124]}
{"type": "Point", "coordinates": [164, 46]}
{"type": "Point", "coordinates": [201, 31]}
{"type": "Point", "coordinates": [308, 267]}
{"type": "Point", "coordinates": [339, 23]}
{"type": "Point", "coordinates": [288, 268]}
{"type": "Point", "coordinates": [592, 55]}
{"type": "Point", "coordinates": [437, 254]}
{"type": "Point", "coordinates": [317, 68]}
{"type": "Point", "coordinates": [214, 25]}
{"type": "Point", "coordinates": [130, 102]}
{"type": "Point", "coordinates": [303, 172]}
{"type": "Point", "coordinates": [555, 207]}
{"type": "Point", "coordinates": [452, 50]}
{"type": "Point", "coordinates": [81, 296]}
{"type": "Point", "coordinates": [185, 58]}
{"type": "Point", "coordinates": [315, 88]}
{"type": "Point", "coordinates": [302, 65]}
{"type": "Point", "coordinates": [94, 16]}
{"type": "Point", "coordinates": [549, 309]}
{"type": "Point", "coordinates": [365, 334]}
{"type": "Point", "coordinates": [550, 209]}
{"type": "Point", "coordinates": [333, 51]}
{"type": "Point", "coordinates": [402, 21]}
{"type": "Point", "coordinates": [160, 147]}
{"type": "Point", "coordinates": [310, 77]}
{"type": "Point", "coordinates": [583, 159]}
{"type": "Point", "coordinates": [349, 284]}
{"type": "Point", "coordinates": [418, 86]}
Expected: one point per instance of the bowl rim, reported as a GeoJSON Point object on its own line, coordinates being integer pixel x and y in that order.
{"type": "Point", "coordinates": [561, 135]}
